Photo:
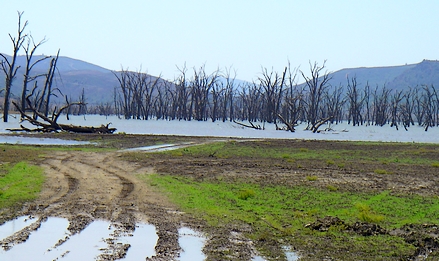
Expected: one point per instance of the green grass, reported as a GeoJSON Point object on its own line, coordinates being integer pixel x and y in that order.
{"type": "Point", "coordinates": [285, 210]}
{"type": "Point", "coordinates": [311, 178]}
{"type": "Point", "coordinates": [401, 153]}
{"type": "Point", "coordinates": [19, 183]}
{"type": "Point", "coordinates": [382, 171]}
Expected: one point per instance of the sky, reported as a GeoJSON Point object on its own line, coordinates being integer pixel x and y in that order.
{"type": "Point", "coordinates": [242, 36]}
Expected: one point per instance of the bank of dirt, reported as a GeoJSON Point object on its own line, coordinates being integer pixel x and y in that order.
{"type": "Point", "coordinates": [85, 186]}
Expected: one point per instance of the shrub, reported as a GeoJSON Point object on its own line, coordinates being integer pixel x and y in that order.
{"type": "Point", "coordinates": [435, 164]}
{"type": "Point", "coordinates": [381, 171]}
{"type": "Point", "coordinates": [330, 162]}
{"type": "Point", "coordinates": [244, 194]}
{"type": "Point", "coordinates": [311, 178]}
{"type": "Point", "coordinates": [286, 156]}
{"type": "Point", "coordinates": [367, 215]}
{"type": "Point", "coordinates": [332, 188]}
{"type": "Point", "coordinates": [370, 217]}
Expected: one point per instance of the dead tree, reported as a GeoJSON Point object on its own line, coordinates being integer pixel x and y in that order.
{"type": "Point", "coordinates": [228, 96]}
{"type": "Point", "coordinates": [250, 102]}
{"type": "Point", "coordinates": [316, 85]}
{"type": "Point", "coordinates": [272, 85]}
{"type": "Point", "coordinates": [125, 100]}
{"type": "Point", "coordinates": [334, 102]}
{"type": "Point", "coordinates": [201, 86]}
{"type": "Point", "coordinates": [27, 77]}
{"type": "Point", "coordinates": [396, 98]}
{"type": "Point", "coordinates": [355, 102]}
{"type": "Point", "coordinates": [428, 107]}
{"type": "Point", "coordinates": [43, 104]}
{"type": "Point", "coordinates": [180, 96]}
{"type": "Point", "coordinates": [44, 123]}
{"type": "Point", "coordinates": [216, 95]}
{"type": "Point", "coordinates": [407, 108]}
{"type": "Point", "coordinates": [9, 67]}
{"type": "Point", "coordinates": [251, 125]}
{"type": "Point", "coordinates": [381, 105]}
{"type": "Point", "coordinates": [292, 103]}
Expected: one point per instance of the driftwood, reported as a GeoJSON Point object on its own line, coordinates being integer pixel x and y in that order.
{"type": "Point", "coordinates": [290, 126]}
{"type": "Point", "coordinates": [258, 127]}
{"type": "Point", "coordinates": [316, 126]}
{"type": "Point", "coordinates": [46, 124]}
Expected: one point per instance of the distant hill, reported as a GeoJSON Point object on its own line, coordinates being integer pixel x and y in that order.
{"type": "Point", "coordinates": [393, 77]}
{"type": "Point", "coordinates": [98, 83]}
{"type": "Point", "coordinates": [72, 76]}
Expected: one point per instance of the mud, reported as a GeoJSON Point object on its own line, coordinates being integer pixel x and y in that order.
{"type": "Point", "coordinates": [87, 186]}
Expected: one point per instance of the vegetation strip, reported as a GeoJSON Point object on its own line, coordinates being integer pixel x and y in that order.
{"type": "Point", "coordinates": [283, 212]}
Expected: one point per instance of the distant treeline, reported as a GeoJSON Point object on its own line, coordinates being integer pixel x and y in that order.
{"type": "Point", "coordinates": [275, 97]}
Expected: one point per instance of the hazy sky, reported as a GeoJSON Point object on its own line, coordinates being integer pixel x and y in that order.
{"type": "Point", "coordinates": [246, 35]}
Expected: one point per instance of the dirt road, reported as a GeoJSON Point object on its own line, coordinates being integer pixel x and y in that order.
{"type": "Point", "coordinates": [87, 186]}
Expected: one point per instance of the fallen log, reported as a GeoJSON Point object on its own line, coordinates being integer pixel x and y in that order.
{"type": "Point", "coordinates": [258, 127]}
{"type": "Point", "coordinates": [46, 124]}
{"type": "Point", "coordinates": [315, 127]}
{"type": "Point", "coordinates": [290, 126]}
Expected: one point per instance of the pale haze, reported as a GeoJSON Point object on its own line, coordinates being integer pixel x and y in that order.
{"type": "Point", "coordinates": [158, 36]}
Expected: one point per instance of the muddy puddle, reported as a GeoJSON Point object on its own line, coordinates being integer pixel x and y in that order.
{"type": "Point", "coordinates": [192, 243]}
{"type": "Point", "coordinates": [100, 239]}
{"type": "Point", "coordinates": [49, 239]}
{"type": "Point", "coordinates": [289, 254]}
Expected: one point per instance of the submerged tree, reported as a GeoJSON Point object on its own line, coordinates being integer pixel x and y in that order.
{"type": "Point", "coordinates": [9, 66]}
{"type": "Point", "coordinates": [316, 86]}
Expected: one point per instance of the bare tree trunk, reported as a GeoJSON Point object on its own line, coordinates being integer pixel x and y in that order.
{"type": "Point", "coordinates": [27, 78]}
{"type": "Point", "coordinates": [9, 68]}
{"type": "Point", "coordinates": [49, 83]}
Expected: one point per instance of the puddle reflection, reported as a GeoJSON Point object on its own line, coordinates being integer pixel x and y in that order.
{"type": "Point", "coordinates": [12, 226]}
{"type": "Point", "coordinates": [52, 241]}
{"type": "Point", "coordinates": [36, 247]}
{"type": "Point", "coordinates": [192, 243]}
{"type": "Point", "coordinates": [142, 242]}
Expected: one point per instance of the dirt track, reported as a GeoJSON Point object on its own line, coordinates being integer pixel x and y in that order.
{"type": "Point", "coordinates": [85, 186]}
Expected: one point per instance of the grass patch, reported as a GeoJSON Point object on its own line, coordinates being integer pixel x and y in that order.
{"type": "Point", "coordinates": [311, 178]}
{"type": "Point", "coordinates": [330, 163]}
{"type": "Point", "coordinates": [283, 211]}
{"type": "Point", "coordinates": [366, 214]}
{"type": "Point", "coordinates": [245, 194]}
{"type": "Point", "coordinates": [368, 152]}
{"type": "Point", "coordinates": [331, 188]}
{"type": "Point", "coordinates": [22, 182]}
{"type": "Point", "coordinates": [381, 171]}
{"type": "Point", "coordinates": [435, 164]}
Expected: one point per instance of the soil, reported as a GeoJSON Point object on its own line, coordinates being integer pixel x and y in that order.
{"type": "Point", "coordinates": [84, 186]}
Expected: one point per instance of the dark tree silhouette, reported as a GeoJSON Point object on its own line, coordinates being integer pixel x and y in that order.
{"type": "Point", "coordinates": [9, 67]}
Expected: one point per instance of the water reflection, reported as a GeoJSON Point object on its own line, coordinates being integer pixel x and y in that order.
{"type": "Point", "coordinates": [52, 241]}
{"type": "Point", "coordinates": [5, 139]}
{"type": "Point", "coordinates": [192, 243]}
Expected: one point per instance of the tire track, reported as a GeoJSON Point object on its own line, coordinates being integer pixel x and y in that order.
{"type": "Point", "coordinates": [86, 186]}
{"type": "Point", "coordinates": [127, 185]}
